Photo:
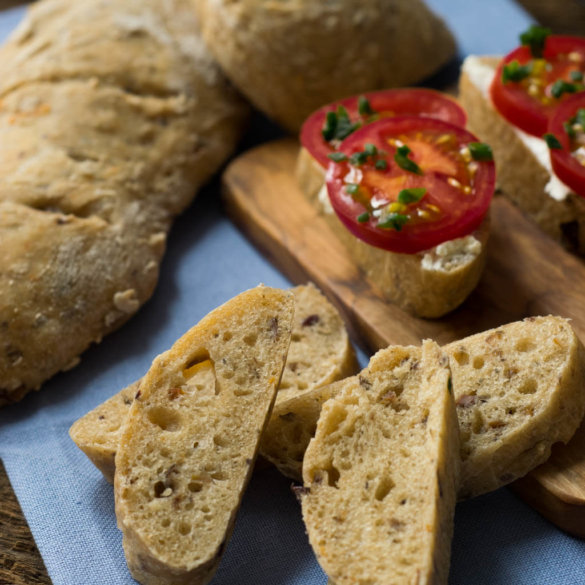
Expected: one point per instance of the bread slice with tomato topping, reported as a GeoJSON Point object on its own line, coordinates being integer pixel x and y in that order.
{"type": "Point", "coordinates": [190, 439]}
{"type": "Point", "coordinates": [320, 353]}
{"type": "Point", "coordinates": [552, 194]}
{"type": "Point", "coordinates": [407, 190]}
{"type": "Point", "coordinates": [381, 474]}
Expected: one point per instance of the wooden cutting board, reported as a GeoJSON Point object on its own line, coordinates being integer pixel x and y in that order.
{"type": "Point", "coordinates": [526, 274]}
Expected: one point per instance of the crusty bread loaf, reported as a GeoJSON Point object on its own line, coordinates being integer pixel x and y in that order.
{"type": "Point", "coordinates": [428, 284]}
{"type": "Point", "coordinates": [112, 115]}
{"type": "Point", "coordinates": [191, 436]}
{"type": "Point", "coordinates": [524, 169]}
{"type": "Point", "coordinates": [289, 58]}
{"type": "Point", "coordinates": [519, 389]}
{"type": "Point", "coordinates": [380, 476]}
{"type": "Point", "coordinates": [320, 353]}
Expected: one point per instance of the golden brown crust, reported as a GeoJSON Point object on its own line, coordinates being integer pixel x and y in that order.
{"type": "Point", "coordinates": [291, 57]}
{"type": "Point", "coordinates": [520, 175]}
{"type": "Point", "coordinates": [99, 152]}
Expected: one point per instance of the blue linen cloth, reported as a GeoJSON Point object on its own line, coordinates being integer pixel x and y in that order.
{"type": "Point", "coordinates": [498, 539]}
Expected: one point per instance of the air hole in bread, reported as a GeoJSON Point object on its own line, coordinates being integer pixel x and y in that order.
{"type": "Point", "coordinates": [184, 528]}
{"type": "Point", "coordinates": [165, 522]}
{"type": "Point", "coordinates": [227, 335]}
{"type": "Point", "coordinates": [337, 414]}
{"type": "Point", "coordinates": [478, 362]}
{"type": "Point", "coordinates": [195, 486]}
{"type": "Point", "coordinates": [529, 386]}
{"type": "Point", "coordinates": [165, 452]}
{"type": "Point", "coordinates": [477, 423]}
{"type": "Point", "coordinates": [228, 374]}
{"type": "Point", "coordinates": [332, 475]}
{"type": "Point", "coordinates": [205, 509]}
{"type": "Point", "coordinates": [165, 418]}
{"type": "Point", "coordinates": [251, 339]}
{"type": "Point", "coordinates": [162, 490]}
{"type": "Point", "coordinates": [461, 357]}
{"type": "Point", "coordinates": [302, 385]}
{"type": "Point", "coordinates": [220, 441]}
{"type": "Point", "coordinates": [243, 389]}
{"type": "Point", "coordinates": [219, 476]}
{"type": "Point", "coordinates": [525, 345]}
{"type": "Point", "coordinates": [295, 337]}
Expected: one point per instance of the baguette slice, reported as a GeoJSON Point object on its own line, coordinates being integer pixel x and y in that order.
{"type": "Point", "coordinates": [320, 353]}
{"type": "Point", "coordinates": [428, 284]}
{"type": "Point", "coordinates": [380, 476]}
{"type": "Point", "coordinates": [523, 162]}
{"type": "Point", "coordinates": [191, 436]}
{"type": "Point", "coordinates": [519, 388]}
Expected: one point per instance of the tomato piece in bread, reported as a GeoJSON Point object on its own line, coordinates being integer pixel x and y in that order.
{"type": "Point", "coordinates": [409, 183]}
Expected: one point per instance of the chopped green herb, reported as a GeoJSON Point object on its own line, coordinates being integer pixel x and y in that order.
{"type": "Point", "coordinates": [568, 126]}
{"type": "Point", "coordinates": [337, 156]}
{"type": "Point", "coordinates": [363, 217]}
{"type": "Point", "coordinates": [381, 165]}
{"type": "Point", "coordinates": [513, 71]}
{"type": "Point", "coordinates": [576, 75]}
{"type": "Point", "coordinates": [559, 87]}
{"type": "Point", "coordinates": [370, 149]}
{"type": "Point", "coordinates": [535, 38]}
{"type": "Point", "coordinates": [394, 221]}
{"type": "Point", "coordinates": [352, 188]}
{"type": "Point", "coordinates": [480, 151]}
{"type": "Point", "coordinates": [402, 160]}
{"type": "Point", "coordinates": [552, 141]}
{"type": "Point", "coordinates": [414, 195]}
{"type": "Point", "coordinates": [358, 158]}
{"type": "Point", "coordinates": [338, 125]}
{"type": "Point", "coordinates": [364, 107]}
{"type": "Point", "coordinates": [580, 117]}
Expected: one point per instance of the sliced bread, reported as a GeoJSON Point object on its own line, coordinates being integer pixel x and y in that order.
{"type": "Point", "coordinates": [380, 475]}
{"type": "Point", "coordinates": [523, 162]}
{"type": "Point", "coordinates": [519, 388]}
{"type": "Point", "coordinates": [191, 436]}
{"type": "Point", "coordinates": [320, 353]}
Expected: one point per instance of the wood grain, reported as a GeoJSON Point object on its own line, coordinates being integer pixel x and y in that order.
{"type": "Point", "coordinates": [20, 561]}
{"type": "Point", "coordinates": [526, 274]}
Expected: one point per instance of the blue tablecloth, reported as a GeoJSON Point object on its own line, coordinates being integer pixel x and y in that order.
{"type": "Point", "coordinates": [70, 508]}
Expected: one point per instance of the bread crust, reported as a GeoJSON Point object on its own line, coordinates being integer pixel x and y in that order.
{"type": "Point", "coordinates": [289, 58]}
{"type": "Point", "coordinates": [107, 132]}
{"type": "Point", "coordinates": [521, 176]}
{"type": "Point", "coordinates": [428, 284]}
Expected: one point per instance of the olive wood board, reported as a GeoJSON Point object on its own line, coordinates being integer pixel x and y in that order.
{"type": "Point", "coordinates": [526, 274]}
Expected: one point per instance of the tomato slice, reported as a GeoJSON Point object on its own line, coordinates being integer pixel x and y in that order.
{"type": "Point", "coordinates": [382, 104]}
{"type": "Point", "coordinates": [529, 103]}
{"type": "Point", "coordinates": [445, 195]}
{"type": "Point", "coordinates": [567, 124]}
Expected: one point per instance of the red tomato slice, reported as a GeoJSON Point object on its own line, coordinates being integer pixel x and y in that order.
{"type": "Point", "coordinates": [528, 104]}
{"type": "Point", "coordinates": [387, 103]}
{"type": "Point", "coordinates": [457, 189]}
{"type": "Point", "coordinates": [568, 163]}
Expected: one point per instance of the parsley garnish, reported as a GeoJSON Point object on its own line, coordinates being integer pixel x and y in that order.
{"type": "Point", "coordinates": [370, 149]}
{"type": "Point", "coordinates": [576, 75]}
{"type": "Point", "coordinates": [568, 126]}
{"type": "Point", "coordinates": [560, 87]}
{"type": "Point", "coordinates": [381, 165]}
{"type": "Point", "coordinates": [405, 163]}
{"type": "Point", "coordinates": [364, 107]}
{"type": "Point", "coordinates": [580, 118]}
{"type": "Point", "coordinates": [352, 188]}
{"type": "Point", "coordinates": [480, 151]}
{"type": "Point", "coordinates": [363, 217]}
{"type": "Point", "coordinates": [394, 221]}
{"type": "Point", "coordinates": [552, 141]}
{"type": "Point", "coordinates": [358, 158]}
{"type": "Point", "coordinates": [338, 125]}
{"type": "Point", "coordinates": [414, 195]}
{"type": "Point", "coordinates": [337, 156]}
{"type": "Point", "coordinates": [513, 71]}
{"type": "Point", "coordinates": [535, 38]}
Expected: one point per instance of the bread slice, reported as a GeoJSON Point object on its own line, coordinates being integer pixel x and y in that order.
{"type": "Point", "coordinates": [518, 389]}
{"type": "Point", "coordinates": [380, 476]}
{"type": "Point", "coordinates": [428, 284]}
{"type": "Point", "coordinates": [191, 436]}
{"type": "Point", "coordinates": [524, 169]}
{"type": "Point", "coordinates": [320, 353]}
{"type": "Point", "coordinates": [289, 59]}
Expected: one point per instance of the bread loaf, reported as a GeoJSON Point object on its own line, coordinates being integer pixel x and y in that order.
{"type": "Point", "coordinates": [291, 57]}
{"type": "Point", "coordinates": [320, 352]}
{"type": "Point", "coordinates": [190, 439]}
{"type": "Point", "coordinates": [524, 169]}
{"type": "Point", "coordinates": [518, 390]}
{"type": "Point", "coordinates": [112, 115]}
{"type": "Point", "coordinates": [380, 476]}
